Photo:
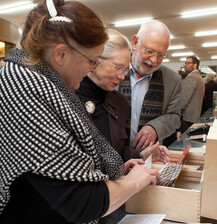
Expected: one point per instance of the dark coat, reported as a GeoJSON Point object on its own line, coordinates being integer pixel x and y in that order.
{"type": "Point", "coordinates": [118, 109]}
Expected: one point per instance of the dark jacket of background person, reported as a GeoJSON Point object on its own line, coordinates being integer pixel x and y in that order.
{"type": "Point", "coordinates": [210, 87]}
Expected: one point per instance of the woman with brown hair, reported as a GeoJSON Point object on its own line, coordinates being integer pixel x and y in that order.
{"type": "Point", "coordinates": [55, 166]}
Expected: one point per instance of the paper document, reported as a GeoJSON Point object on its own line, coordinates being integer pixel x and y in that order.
{"type": "Point", "coordinates": [143, 219]}
{"type": "Point", "coordinates": [200, 150]}
{"type": "Point", "coordinates": [203, 137]}
{"type": "Point", "coordinates": [148, 162]}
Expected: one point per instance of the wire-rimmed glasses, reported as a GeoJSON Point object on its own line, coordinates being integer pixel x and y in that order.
{"type": "Point", "coordinates": [151, 53]}
{"type": "Point", "coordinates": [92, 63]}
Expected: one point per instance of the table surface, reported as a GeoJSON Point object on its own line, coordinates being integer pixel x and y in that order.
{"type": "Point", "coordinates": [180, 145]}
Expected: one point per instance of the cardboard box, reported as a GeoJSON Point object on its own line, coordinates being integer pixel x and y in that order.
{"type": "Point", "coordinates": [181, 203]}
{"type": "Point", "coordinates": [215, 123]}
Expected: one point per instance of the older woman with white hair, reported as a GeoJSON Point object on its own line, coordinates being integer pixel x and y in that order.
{"type": "Point", "coordinates": [108, 108]}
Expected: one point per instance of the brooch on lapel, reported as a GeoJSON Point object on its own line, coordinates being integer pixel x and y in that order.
{"type": "Point", "coordinates": [90, 107]}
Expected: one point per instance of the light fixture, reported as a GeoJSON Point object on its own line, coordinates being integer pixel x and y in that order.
{"type": "Point", "coordinates": [171, 37]}
{"type": "Point", "coordinates": [20, 6]}
{"type": "Point", "coordinates": [206, 33]}
{"type": "Point", "coordinates": [202, 12]}
{"type": "Point", "coordinates": [214, 57]}
{"type": "Point", "coordinates": [2, 49]}
{"type": "Point", "coordinates": [183, 59]}
{"type": "Point", "coordinates": [132, 22]}
{"type": "Point", "coordinates": [176, 47]}
{"type": "Point", "coordinates": [2, 44]}
{"type": "Point", "coordinates": [211, 44]}
{"type": "Point", "coordinates": [166, 60]}
{"type": "Point", "coordinates": [180, 54]}
{"type": "Point", "coordinates": [20, 30]}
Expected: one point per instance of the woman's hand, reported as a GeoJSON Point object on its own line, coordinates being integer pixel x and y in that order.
{"type": "Point", "coordinates": [122, 189]}
{"type": "Point", "coordinates": [159, 153]}
{"type": "Point", "coordinates": [143, 176]}
{"type": "Point", "coordinates": [131, 163]}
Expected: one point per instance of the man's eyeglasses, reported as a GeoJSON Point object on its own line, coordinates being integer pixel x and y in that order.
{"type": "Point", "coordinates": [188, 63]}
{"type": "Point", "coordinates": [92, 63]}
{"type": "Point", "coordinates": [152, 53]}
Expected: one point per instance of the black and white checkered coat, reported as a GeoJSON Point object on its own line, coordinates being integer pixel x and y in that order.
{"type": "Point", "coordinates": [44, 129]}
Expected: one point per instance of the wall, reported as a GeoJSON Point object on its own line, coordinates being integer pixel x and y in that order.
{"type": "Point", "coordinates": [9, 33]}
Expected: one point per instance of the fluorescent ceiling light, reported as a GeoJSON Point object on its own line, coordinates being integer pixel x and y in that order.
{"type": "Point", "coordinates": [132, 22]}
{"type": "Point", "coordinates": [175, 47]}
{"type": "Point", "coordinates": [206, 33]}
{"type": "Point", "coordinates": [212, 44]}
{"type": "Point", "coordinates": [214, 57]}
{"type": "Point", "coordinates": [171, 37]}
{"type": "Point", "coordinates": [182, 59]}
{"type": "Point", "coordinates": [17, 7]}
{"type": "Point", "coordinates": [182, 54]}
{"type": "Point", "coordinates": [166, 60]}
{"type": "Point", "coordinates": [15, 4]}
{"type": "Point", "coordinates": [202, 12]}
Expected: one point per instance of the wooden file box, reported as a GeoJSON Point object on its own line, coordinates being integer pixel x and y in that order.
{"type": "Point", "coordinates": [181, 203]}
{"type": "Point", "coordinates": [215, 113]}
{"type": "Point", "coordinates": [215, 123]}
{"type": "Point", "coordinates": [209, 192]}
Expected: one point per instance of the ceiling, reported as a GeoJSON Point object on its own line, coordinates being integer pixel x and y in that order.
{"type": "Point", "coordinates": [167, 11]}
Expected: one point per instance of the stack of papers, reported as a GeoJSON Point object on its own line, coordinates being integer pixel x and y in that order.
{"type": "Point", "coordinates": [143, 219]}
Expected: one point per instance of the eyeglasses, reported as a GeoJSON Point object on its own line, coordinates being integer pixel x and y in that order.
{"type": "Point", "coordinates": [152, 53]}
{"type": "Point", "coordinates": [120, 69]}
{"type": "Point", "coordinates": [92, 63]}
{"type": "Point", "coordinates": [188, 63]}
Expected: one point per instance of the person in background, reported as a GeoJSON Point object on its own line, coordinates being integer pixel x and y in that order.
{"type": "Point", "coordinates": [177, 135]}
{"type": "Point", "coordinates": [210, 87]}
{"type": "Point", "coordinates": [55, 166]}
{"type": "Point", "coordinates": [108, 108]}
{"type": "Point", "coordinates": [192, 94]}
{"type": "Point", "coordinates": [209, 77]}
{"type": "Point", "coordinates": [152, 89]}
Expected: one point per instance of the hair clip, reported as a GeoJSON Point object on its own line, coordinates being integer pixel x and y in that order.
{"type": "Point", "coordinates": [53, 13]}
{"type": "Point", "coordinates": [51, 8]}
{"type": "Point", "coordinates": [60, 19]}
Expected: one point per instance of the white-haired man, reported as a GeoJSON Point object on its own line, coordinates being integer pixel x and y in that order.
{"type": "Point", "coordinates": [153, 89]}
